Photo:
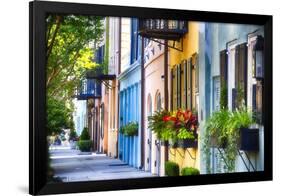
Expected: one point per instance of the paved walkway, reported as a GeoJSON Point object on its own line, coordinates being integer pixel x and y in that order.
{"type": "Point", "coordinates": [71, 166]}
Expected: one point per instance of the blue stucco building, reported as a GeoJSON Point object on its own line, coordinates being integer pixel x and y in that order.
{"type": "Point", "coordinates": [129, 147]}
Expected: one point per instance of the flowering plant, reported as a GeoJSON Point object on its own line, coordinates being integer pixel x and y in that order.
{"type": "Point", "coordinates": [184, 124]}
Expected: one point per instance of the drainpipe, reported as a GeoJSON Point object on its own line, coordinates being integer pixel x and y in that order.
{"type": "Point", "coordinates": [142, 102]}
{"type": "Point", "coordinates": [166, 93]}
{"type": "Point", "coordinates": [118, 82]}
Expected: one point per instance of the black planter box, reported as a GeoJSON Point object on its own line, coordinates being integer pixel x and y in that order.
{"type": "Point", "coordinates": [249, 139]}
{"type": "Point", "coordinates": [173, 144]}
{"type": "Point", "coordinates": [187, 143]}
{"type": "Point", "coordinates": [164, 143]}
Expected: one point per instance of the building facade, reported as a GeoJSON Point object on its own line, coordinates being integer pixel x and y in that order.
{"type": "Point", "coordinates": [80, 115]}
{"type": "Point", "coordinates": [113, 69]}
{"type": "Point", "coordinates": [183, 89]}
{"type": "Point", "coordinates": [227, 57]}
{"type": "Point", "coordinates": [129, 147]}
{"type": "Point", "coordinates": [153, 101]}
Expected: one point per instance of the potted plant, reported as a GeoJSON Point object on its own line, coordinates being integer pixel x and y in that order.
{"type": "Point", "coordinates": [216, 127]}
{"type": "Point", "coordinates": [248, 138]}
{"type": "Point", "coordinates": [183, 129]}
{"type": "Point", "coordinates": [188, 171]}
{"type": "Point", "coordinates": [159, 127]}
{"type": "Point", "coordinates": [73, 139]}
{"type": "Point", "coordinates": [85, 143]}
{"type": "Point", "coordinates": [171, 168]}
{"type": "Point", "coordinates": [131, 129]}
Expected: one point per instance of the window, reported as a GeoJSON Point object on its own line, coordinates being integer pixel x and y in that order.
{"type": "Point", "coordinates": [216, 93]}
{"type": "Point", "coordinates": [158, 102]}
{"type": "Point", "coordinates": [255, 83]}
{"type": "Point", "coordinates": [183, 85]}
{"type": "Point", "coordinates": [134, 40]}
{"type": "Point", "coordinates": [125, 43]}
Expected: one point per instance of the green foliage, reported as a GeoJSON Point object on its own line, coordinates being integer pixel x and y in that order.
{"type": "Point", "coordinates": [73, 135]}
{"type": "Point", "coordinates": [85, 145]}
{"type": "Point", "coordinates": [158, 126]}
{"type": "Point", "coordinates": [223, 96]}
{"type": "Point", "coordinates": [184, 134]}
{"type": "Point", "coordinates": [59, 116]}
{"type": "Point", "coordinates": [187, 171]}
{"type": "Point", "coordinates": [217, 124]}
{"type": "Point", "coordinates": [85, 134]}
{"type": "Point", "coordinates": [167, 134]}
{"type": "Point", "coordinates": [171, 168]}
{"type": "Point", "coordinates": [122, 129]}
{"type": "Point", "coordinates": [224, 125]}
{"type": "Point", "coordinates": [239, 102]}
{"type": "Point", "coordinates": [130, 129]}
{"type": "Point", "coordinates": [71, 42]}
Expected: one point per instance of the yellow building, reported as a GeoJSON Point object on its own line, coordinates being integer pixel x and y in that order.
{"type": "Point", "coordinates": [183, 88]}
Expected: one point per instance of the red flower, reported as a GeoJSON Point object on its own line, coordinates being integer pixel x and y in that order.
{"type": "Point", "coordinates": [187, 114]}
{"type": "Point", "coordinates": [166, 118]}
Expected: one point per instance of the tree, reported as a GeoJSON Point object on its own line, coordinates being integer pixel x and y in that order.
{"type": "Point", "coordinates": [59, 116]}
{"type": "Point", "coordinates": [71, 42]}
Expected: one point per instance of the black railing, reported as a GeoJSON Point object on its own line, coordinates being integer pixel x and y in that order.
{"type": "Point", "coordinates": [162, 29]}
{"type": "Point", "coordinates": [89, 88]}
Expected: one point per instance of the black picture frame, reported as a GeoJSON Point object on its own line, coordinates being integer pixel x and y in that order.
{"type": "Point", "coordinates": [37, 93]}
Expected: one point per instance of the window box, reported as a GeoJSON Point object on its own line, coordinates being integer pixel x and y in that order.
{"type": "Point", "coordinates": [249, 139]}
{"type": "Point", "coordinates": [188, 143]}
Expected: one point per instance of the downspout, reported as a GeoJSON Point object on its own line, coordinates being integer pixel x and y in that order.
{"type": "Point", "coordinates": [118, 83]}
{"type": "Point", "coordinates": [142, 102]}
{"type": "Point", "coordinates": [166, 93]}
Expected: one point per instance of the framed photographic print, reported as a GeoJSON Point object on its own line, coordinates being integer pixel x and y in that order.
{"type": "Point", "coordinates": [131, 97]}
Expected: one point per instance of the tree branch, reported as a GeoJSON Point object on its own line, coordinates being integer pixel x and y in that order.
{"type": "Point", "coordinates": [58, 23]}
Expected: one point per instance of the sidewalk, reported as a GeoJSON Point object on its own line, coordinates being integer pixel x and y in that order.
{"type": "Point", "coordinates": [70, 166]}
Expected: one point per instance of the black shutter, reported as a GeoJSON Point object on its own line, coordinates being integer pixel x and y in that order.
{"type": "Point", "coordinates": [234, 96]}
{"type": "Point", "coordinates": [172, 89]}
{"type": "Point", "coordinates": [183, 86]}
{"type": "Point", "coordinates": [196, 73]}
{"type": "Point", "coordinates": [189, 84]}
{"type": "Point", "coordinates": [178, 86]}
{"type": "Point", "coordinates": [223, 67]}
{"type": "Point", "coordinates": [259, 101]}
{"type": "Point", "coordinates": [223, 79]}
{"type": "Point", "coordinates": [241, 74]}
{"type": "Point", "coordinates": [174, 79]}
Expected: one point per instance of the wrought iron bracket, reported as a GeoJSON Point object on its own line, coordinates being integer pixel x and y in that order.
{"type": "Point", "coordinates": [168, 45]}
{"type": "Point", "coordinates": [221, 154]}
{"type": "Point", "coordinates": [248, 158]}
